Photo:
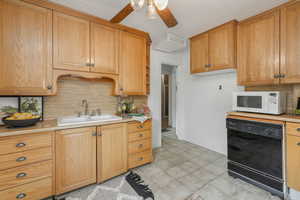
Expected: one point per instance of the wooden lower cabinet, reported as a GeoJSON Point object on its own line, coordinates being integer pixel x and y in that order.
{"type": "Point", "coordinates": [293, 162]}
{"type": "Point", "coordinates": [75, 158]}
{"type": "Point", "coordinates": [111, 151]}
{"type": "Point", "coordinates": [31, 191]}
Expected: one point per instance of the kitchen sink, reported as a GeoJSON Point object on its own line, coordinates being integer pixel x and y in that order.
{"type": "Point", "coordinates": [72, 120]}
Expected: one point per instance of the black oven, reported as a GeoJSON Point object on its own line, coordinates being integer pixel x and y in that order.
{"type": "Point", "coordinates": [255, 153]}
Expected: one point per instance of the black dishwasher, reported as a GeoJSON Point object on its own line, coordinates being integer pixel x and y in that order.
{"type": "Point", "coordinates": [255, 153]}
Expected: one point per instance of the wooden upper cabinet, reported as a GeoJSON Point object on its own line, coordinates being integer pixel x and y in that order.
{"type": "Point", "coordinates": [290, 43]}
{"type": "Point", "coordinates": [25, 49]}
{"type": "Point", "coordinates": [112, 151]}
{"type": "Point", "coordinates": [104, 49]}
{"type": "Point", "coordinates": [75, 158]}
{"type": "Point", "coordinates": [133, 63]}
{"type": "Point", "coordinates": [222, 46]}
{"type": "Point", "coordinates": [214, 49]}
{"type": "Point", "coordinates": [258, 50]}
{"type": "Point", "coordinates": [199, 53]}
{"type": "Point", "coordinates": [71, 43]}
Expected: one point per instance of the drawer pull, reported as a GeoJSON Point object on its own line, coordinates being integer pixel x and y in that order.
{"type": "Point", "coordinates": [141, 135]}
{"type": "Point", "coordinates": [140, 159]}
{"type": "Point", "coordinates": [298, 143]}
{"type": "Point", "coordinates": [21, 175]}
{"type": "Point", "coordinates": [22, 144]}
{"type": "Point", "coordinates": [141, 145]}
{"type": "Point", "coordinates": [21, 196]}
{"type": "Point", "coordinates": [298, 129]}
{"type": "Point", "coordinates": [140, 126]}
{"type": "Point", "coordinates": [21, 159]}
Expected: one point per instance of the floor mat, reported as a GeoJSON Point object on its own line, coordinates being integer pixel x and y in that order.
{"type": "Point", "coordinates": [115, 189]}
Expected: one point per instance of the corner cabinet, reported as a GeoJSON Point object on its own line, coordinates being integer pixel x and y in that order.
{"type": "Point", "coordinates": [25, 49]}
{"type": "Point", "coordinates": [258, 50]}
{"type": "Point", "coordinates": [75, 158]}
{"type": "Point", "coordinates": [290, 43]}
{"type": "Point", "coordinates": [133, 64]}
{"type": "Point", "coordinates": [214, 49]}
{"type": "Point", "coordinates": [268, 46]}
{"type": "Point", "coordinates": [111, 151]}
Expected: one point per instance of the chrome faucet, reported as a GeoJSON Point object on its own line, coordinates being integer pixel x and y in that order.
{"type": "Point", "coordinates": [86, 106]}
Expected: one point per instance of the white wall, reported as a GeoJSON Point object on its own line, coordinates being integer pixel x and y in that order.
{"type": "Point", "coordinates": [205, 106]}
{"type": "Point", "coordinates": [157, 59]}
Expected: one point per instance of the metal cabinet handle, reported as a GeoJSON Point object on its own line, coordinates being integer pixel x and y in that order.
{"type": "Point", "coordinates": [276, 75]}
{"type": "Point", "coordinates": [99, 134]}
{"type": "Point", "coordinates": [298, 129]}
{"type": "Point", "coordinates": [141, 145]}
{"type": "Point", "coordinates": [21, 175]}
{"type": "Point", "coordinates": [49, 87]}
{"type": "Point", "coordinates": [140, 126]}
{"type": "Point", "coordinates": [94, 134]}
{"type": "Point", "coordinates": [21, 159]}
{"type": "Point", "coordinates": [141, 135]}
{"type": "Point", "coordinates": [21, 196]}
{"type": "Point", "coordinates": [88, 64]}
{"type": "Point", "coordinates": [298, 143]}
{"type": "Point", "coordinates": [21, 144]}
{"type": "Point", "coordinates": [141, 158]}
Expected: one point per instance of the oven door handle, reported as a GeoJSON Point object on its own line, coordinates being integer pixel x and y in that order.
{"type": "Point", "coordinates": [234, 147]}
{"type": "Point", "coordinates": [245, 138]}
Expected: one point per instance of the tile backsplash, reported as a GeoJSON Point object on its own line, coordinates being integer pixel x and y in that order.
{"type": "Point", "coordinates": [293, 92]}
{"type": "Point", "coordinates": [72, 91]}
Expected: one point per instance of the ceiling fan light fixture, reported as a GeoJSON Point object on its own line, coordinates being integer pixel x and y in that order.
{"type": "Point", "coordinates": [137, 4]}
{"type": "Point", "coordinates": [151, 10]}
{"type": "Point", "coordinates": [161, 4]}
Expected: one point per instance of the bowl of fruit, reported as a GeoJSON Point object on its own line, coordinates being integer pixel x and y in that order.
{"type": "Point", "coordinates": [21, 120]}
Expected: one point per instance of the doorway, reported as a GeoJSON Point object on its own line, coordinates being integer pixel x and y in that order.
{"type": "Point", "coordinates": [168, 100]}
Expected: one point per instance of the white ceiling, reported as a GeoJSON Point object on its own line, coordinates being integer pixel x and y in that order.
{"type": "Point", "coordinates": [194, 16]}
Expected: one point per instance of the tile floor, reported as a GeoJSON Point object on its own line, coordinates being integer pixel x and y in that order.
{"type": "Point", "coordinates": [184, 171]}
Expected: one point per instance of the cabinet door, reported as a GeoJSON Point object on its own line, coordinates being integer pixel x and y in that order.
{"type": "Point", "coordinates": [133, 51]}
{"type": "Point", "coordinates": [258, 50]}
{"type": "Point", "coordinates": [104, 49]}
{"type": "Point", "coordinates": [290, 45]}
{"type": "Point", "coordinates": [293, 162]}
{"type": "Point", "coordinates": [199, 53]}
{"type": "Point", "coordinates": [75, 158]}
{"type": "Point", "coordinates": [25, 49]}
{"type": "Point", "coordinates": [222, 47]}
{"type": "Point", "coordinates": [112, 151]}
{"type": "Point", "coordinates": [71, 43]}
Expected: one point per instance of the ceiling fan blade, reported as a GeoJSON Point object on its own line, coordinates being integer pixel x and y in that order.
{"type": "Point", "coordinates": [122, 14]}
{"type": "Point", "coordinates": [167, 16]}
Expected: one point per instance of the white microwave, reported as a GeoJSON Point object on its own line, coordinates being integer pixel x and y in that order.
{"type": "Point", "coordinates": [260, 102]}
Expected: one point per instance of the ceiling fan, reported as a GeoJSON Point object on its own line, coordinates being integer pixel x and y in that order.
{"type": "Point", "coordinates": [153, 7]}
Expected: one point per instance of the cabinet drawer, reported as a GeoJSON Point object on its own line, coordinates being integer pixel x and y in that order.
{"type": "Point", "coordinates": [21, 175]}
{"type": "Point", "coordinates": [141, 135]}
{"type": "Point", "coordinates": [139, 146]}
{"type": "Point", "coordinates": [26, 157]}
{"type": "Point", "coordinates": [139, 159]}
{"type": "Point", "coordinates": [25, 142]}
{"type": "Point", "coordinates": [293, 129]}
{"type": "Point", "coordinates": [31, 191]}
{"type": "Point", "coordinates": [137, 126]}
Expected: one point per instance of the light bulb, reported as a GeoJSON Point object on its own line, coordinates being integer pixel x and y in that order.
{"type": "Point", "coordinates": [137, 4]}
{"type": "Point", "coordinates": [161, 4]}
{"type": "Point", "coordinates": [151, 11]}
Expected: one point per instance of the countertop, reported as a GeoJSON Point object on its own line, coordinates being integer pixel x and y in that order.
{"type": "Point", "coordinates": [51, 125]}
{"type": "Point", "coordinates": [284, 117]}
